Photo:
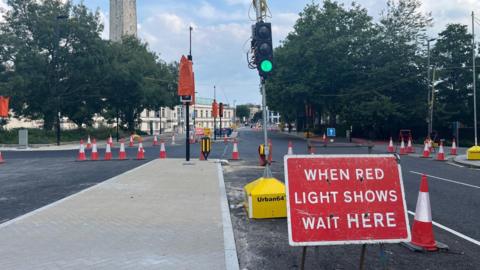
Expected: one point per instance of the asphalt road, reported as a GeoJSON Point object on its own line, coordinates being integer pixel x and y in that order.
{"type": "Point", "coordinates": [263, 244]}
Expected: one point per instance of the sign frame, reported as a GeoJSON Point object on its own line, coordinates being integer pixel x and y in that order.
{"type": "Point", "coordinates": [331, 132]}
{"type": "Point", "coordinates": [345, 242]}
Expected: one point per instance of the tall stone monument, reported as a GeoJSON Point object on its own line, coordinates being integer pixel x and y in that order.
{"type": "Point", "coordinates": [123, 19]}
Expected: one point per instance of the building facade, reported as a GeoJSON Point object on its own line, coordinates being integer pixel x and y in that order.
{"type": "Point", "coordinates": [123, 19]}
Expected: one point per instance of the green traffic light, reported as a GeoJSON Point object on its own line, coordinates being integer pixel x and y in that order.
{"type": "Point", "coordinates": [266, 66]}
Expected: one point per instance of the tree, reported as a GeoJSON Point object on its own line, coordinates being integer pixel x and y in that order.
{"type": "Point", "coordinates": [243, 111]}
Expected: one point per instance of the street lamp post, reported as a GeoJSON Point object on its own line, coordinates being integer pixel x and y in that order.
{"type": "Point", "coordinates": [56, 44]}
{"type": "Point", "coordinates": [429, 91]}
{"type": "Point", "coordinates": [474, 80]}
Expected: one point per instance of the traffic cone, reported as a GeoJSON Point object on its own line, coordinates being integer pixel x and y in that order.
{"type": "Point", "coordinates": [390, 148]}
{"type": "Point", "coordinates": [290, 148]}
{"type": "Point", "coordinates": [122, 155]}
{"type": "Point", "coordinates": [453, 150]}
{"type": "Point", "coordinates": [422, 229]}
{"type": "Point", "coordinates": [89, 143]}
{"type": "Point", "coordinates": [270, 151]}
{"type": "Point", "coordinates": [110, 141]}
{"type": "Point", "coordinates": [141, 151]}
{"type": "Point", "coordinates": [324, 138]}
{"type": "Point", "coordinates": [235, 155]}
{"type": "Point", "coordinates": [430, 145]}
{"type": "Point", "coordinates": [94, 155]}
{"type": "Point", "coordinates": [402, 148]}
{"type": "Point", "coordinates": [163, 152]}
{"type": "Point", "coordinates": [410, 148]}
{"type": "Point", "coordinates": [155, 140]}
{"type": "Point", "coordinates": [131, 141]}
{"type": "Point", "coordinates": [426, 151]}
{"type": "Point", "coordinates": [3, 161]}
{"type": "Point", "coordinates": [192, 139]}
{"type": "Point", "coordinates": [108, 152]}
{"type": "Point", "coordinates": [441, 153]}
{"type": "Point", "coordinates": [81, 153]}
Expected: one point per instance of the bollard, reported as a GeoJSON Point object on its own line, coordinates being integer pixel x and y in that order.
{"type": "Point", "coordinates": [261, 154]}
{"type": "Point", "coordinates": [206, 147]}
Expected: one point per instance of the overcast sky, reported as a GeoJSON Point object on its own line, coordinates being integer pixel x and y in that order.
{"type": "Point", "coordinates": [222, 29]}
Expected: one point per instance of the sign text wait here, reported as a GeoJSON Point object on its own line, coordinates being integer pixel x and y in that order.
{"type": "Point", "coordinates": [345, 199]}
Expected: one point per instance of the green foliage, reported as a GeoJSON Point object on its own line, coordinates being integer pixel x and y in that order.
{"type": "Point", "coordinates": [243, 111]}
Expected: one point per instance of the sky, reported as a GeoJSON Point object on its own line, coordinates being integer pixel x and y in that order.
{"type": "Point", "coordinates": [222, 29]}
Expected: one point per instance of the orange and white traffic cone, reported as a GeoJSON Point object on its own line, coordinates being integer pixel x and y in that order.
{"type": "Point", "coordinates": [94, 155]}
{"type": "Point", "coordinates": [410, 148]}
{"type": "Point", "coordinates": [324, 138]}
{"type": "Point", "coordinates": [3, 161]}
{"type": "Point", "coordinates": [89, 142]}
{"type": "Point", "coordinates": [390, 148]}
{"type": "Point", "coordinates": [81, 153]}
{"type": "Point", "coordinates": [141, 151]}
{"type": "Point", "coordinates": [430, 145]}
{"type": "Point", "coordinates": [402, 148]}
{"type": "Point", "coordinates": [290, 148]}
{"type": "Point", "coordinates": [453, 150]}
{"type": "Point", "coordinates": [426, 151]}
{"type": "Point", "coordinates": [110, 141]}
{"type": "Point", "coordinates": [422, 229]}
{"type": "Point", "coordinates": [235, 155]}
{"type": "Point", "coordinates": [108, 152]}
{"type": "Point", "coordinates": [122, 155]}
{"type": "Point", "coordinates": [155, 140]}
{"type": "Point", "coordinates": [163, 152]}
{"type": "Point", "coordinates": [131, 141]}
{"type": "Point", "coordinates": [441, 153]}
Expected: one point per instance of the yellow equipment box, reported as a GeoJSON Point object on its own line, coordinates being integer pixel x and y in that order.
{"type": "Point", "coordinates": [473, 153]}
{"type": "Point", "coordinates": [265, 198]}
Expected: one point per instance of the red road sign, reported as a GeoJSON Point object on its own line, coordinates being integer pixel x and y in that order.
{"type": "Point", "coordinates": [345, 199]}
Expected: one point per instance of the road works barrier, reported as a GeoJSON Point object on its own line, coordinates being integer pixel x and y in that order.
{"type": "Point", "coordinates": [265, 198]}
{"type": "Point", "coordinates": [345, 199]}
{"type": "Point", "coordinates": [423, 238]}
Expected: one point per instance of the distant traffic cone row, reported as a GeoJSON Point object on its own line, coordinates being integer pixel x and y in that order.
{"type": "Point", "coordinates": [163, 152]}
{"type": "Point", "coordinates": [453, 150]}
{"type": "Point", "coordinates": [235, 155]}
{"type": "Point", "coordinates": [441, 153]}
{"type": "Point", "coordinates": [81, 152]}
{"type": "Point", "coordinates": [122, 155]}
{"type": "Point", "coordinates": [290, 148]}
{"type": "Point", "coordinates": [422, 229]}
{"type": "Point", "coordinates": [426, 151]}
{"type": "Point", "coordinates": [390, 148]}
{"type": "Point", "coordinates": [403, 151]}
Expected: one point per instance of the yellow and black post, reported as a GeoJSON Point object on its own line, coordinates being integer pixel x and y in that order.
{"type": "Point", "coordinates": [206, 146]}
{"type": "Point", "coordinates": [261, 155]}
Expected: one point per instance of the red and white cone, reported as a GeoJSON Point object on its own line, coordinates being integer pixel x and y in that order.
{"type": "Point", "coordinates": [453, 150]}
{"type": "Point", "coordinates": [81, 153]}
{"type": "Point", "coordinates": [422, 229]}
{"type": "Point", "coordinates": [202, 157]}
{"type": "Point", "coordinates": [441, 153]}
{"type": "Point", "coordinates": [410, 148]}
{"type": "Point", "coordinates": [403, 151]}
{"type": "Point", "coordinates": [430, 145]}
{"type": "Point", "coordinates": [155, 140]}
{"type": "Point", "coordinates": [390, 148]}
{"type": "Point", "coordinates": [290, 148]}
{"type": "Point", "coordinates": [110, 141]}
{"type": "Point", "coordinates": [141, 151]}
{"type": "Point", "coordinates": [163, 152]}
{"type": "Point", "coordinates": [426, 151]}
{"type": "Point", "coordinates": [324, 138]}
{"type": "Point", "coordinates": [122, 155]}
{"type": "Point", "coordinates": [108, 152]}
{"type": "Point", "coordinates": [235, 155]}
{"type": "Point", "coordinates": [131, 141]}
{"type": "Point", "coordinates": [94, 155]}
{"type": "Point", "coordinates": [89, 142]}
{"type": "Point", "coordinates": [3, 161]}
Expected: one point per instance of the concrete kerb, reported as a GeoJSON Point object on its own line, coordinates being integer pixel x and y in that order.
{"type": "Point", "coordinates": [462, 160]}
{"type": "Point", "coordinates": [231, 258]}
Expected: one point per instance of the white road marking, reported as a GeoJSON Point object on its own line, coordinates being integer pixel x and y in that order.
{"type": "Point", "coordinates": [461, 235]}
{"type": "Point", "coordinates": [456, 165]}
{"type": "Point", "coordinates": [446, 180]}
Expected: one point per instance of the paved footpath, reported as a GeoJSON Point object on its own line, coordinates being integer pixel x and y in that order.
{"type": "Point", "coordinates": [162, 215]}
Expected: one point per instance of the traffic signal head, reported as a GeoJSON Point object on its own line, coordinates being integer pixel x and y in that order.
{"type": "Point", "coordinates": [262, 45]}
{"type": "Point", "coordinates": [220, 109]}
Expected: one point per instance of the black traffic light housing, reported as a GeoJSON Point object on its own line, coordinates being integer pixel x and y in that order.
{"type": "Point", "coordinates": [263, 48]}
{"type": "Point", "coordinates": [220, 109]}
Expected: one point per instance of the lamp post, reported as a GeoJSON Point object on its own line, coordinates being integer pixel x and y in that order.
{"type": "Point", "coordinates": [430, 90]}
{"type": "Point", "coordinates": [56, 44]}
{"type": "Point", "coordinates": [474, 80]}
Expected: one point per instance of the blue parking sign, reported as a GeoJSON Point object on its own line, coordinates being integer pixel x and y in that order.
{"type": "Point", "coordinates": [331, 132]}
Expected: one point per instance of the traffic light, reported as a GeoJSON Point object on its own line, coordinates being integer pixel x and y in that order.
{"type": "Point", "coordinates": [262, 44]}
{"type": "Point", "coordinates": [220, 109]}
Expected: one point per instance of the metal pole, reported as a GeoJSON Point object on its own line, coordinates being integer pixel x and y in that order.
{"type": "Point", "coordinates": [215, 118]}
{"type": "Point", "coordinates": [474, 80]}
{"type": "Point", "coordinates": [258, 10]}
{"type": "Point", "coordinates": [187, 136]}
{"type": "Point", "coordinates": [432, 102]}
{"type": "Point", "coordinates": [429, 131]}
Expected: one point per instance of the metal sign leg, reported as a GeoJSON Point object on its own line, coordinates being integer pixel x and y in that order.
{"type": "Point", "coordinates": [362, 256]}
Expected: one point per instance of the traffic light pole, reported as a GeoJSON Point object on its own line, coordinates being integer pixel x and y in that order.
{"type": "Point", "coordinates": [187, 135]}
